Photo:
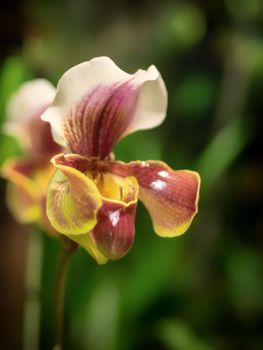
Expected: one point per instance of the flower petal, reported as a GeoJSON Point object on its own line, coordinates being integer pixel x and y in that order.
{"type": "Point", "coordinates": [23, 117]}
{"type": "Point", "coordinates": [97, 104]}
{"type": "Point", "coordinates": [171, 197]}
{"type": "Point", "coordinates": [99, 120]}
{"type": "Point", "coordinates": [87, 241]}
{"type": "Point", "coordinates": [114, 232]}
{"type": "Point", "coordinates": [152, 103]}
{"type": "Point", "coordinates": [26, 190]}
{"type": "Point", "coordinates": [22, 191]}
{"type": "Point", "coordinates": [72, 201]}
{"type": "Point", "coordinates": [113, 235]}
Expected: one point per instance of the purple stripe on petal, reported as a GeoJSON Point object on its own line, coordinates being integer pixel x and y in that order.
{"type": "Point", "coordinates": [100, 119]}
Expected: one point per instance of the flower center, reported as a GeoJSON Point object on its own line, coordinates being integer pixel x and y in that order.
{"type": "Point", "coordinates": [108, 185]}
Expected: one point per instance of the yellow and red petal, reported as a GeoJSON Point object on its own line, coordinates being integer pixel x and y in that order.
{"type": "Point", "coordinates": [22, 191]}
{"type": "Point", "coordinates": [72, 200]}
{"type": "Point", "coordinates": [87, 241]}
{"type": "Point", "coordinates": [170, 196]}
{"type": "Point", "coordinates": [113, 235]}
{"type": "Point", "coordinates": [115, 230]}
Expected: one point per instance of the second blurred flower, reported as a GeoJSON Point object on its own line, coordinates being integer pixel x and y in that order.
{"type": "Point", "coordinates": [28, 176]}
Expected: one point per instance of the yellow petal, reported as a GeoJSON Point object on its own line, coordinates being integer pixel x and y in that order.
{"type": "Point", "coordinates": [87, 242]}
{"type": "Point", "coordinates": [22, 194]}
{"type": "Point", "coordinates": [72, 201]}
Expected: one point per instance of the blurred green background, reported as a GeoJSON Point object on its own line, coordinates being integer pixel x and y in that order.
{"type": "Point", "coordinates": [201, 291]}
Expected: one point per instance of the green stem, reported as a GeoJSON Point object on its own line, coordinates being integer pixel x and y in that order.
{"type": "Point", "coordinates": [63, 263]}
{"type": "Point", "coordinates": [31, 324]}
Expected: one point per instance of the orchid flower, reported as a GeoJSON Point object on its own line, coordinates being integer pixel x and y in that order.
{"type": "Point", "coordinates": [28, 176]}
{"type": "Point", "coordinates": [92, 198]}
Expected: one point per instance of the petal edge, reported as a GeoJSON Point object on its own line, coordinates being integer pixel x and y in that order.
{"type": "Point", "coordinates": [72, 201]}
{"type": "Point", "coordinates": [170, 196]}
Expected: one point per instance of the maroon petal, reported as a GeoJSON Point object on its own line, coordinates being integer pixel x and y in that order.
{"type": "Point", "coordinates": [171, 197]}
{"type": "Point", "coordinates": [41, 142]}
{"type": "Point", "coordinates": [114, 232]}
{"type": "Point", "coordinates": [100, 119]}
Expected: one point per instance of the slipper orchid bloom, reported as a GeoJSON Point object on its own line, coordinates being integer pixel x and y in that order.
{"type": "Point", "coordinates": [29, 175]}
{"type": "Point", "coordinates": [91, 197]}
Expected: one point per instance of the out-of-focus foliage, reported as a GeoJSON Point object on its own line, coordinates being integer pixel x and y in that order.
{"type": "Point", "coordinates": [13, 72]}
{"type": "Point", "coordinates": [203, 290]}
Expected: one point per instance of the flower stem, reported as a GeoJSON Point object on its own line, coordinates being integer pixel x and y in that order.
{"type": "Point", "coordinates": [67, 249]}
{"type": "Point", "coordinates": [33, 286]}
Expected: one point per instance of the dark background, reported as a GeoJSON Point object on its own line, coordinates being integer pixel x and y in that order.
{"type": "Point", "coordinates": [203, 290]}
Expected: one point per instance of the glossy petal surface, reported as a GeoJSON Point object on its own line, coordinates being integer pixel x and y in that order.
{"type": "Point", "coordinates": [113, 234]}
{"type": "Point", "coordinates": [171, 197]}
